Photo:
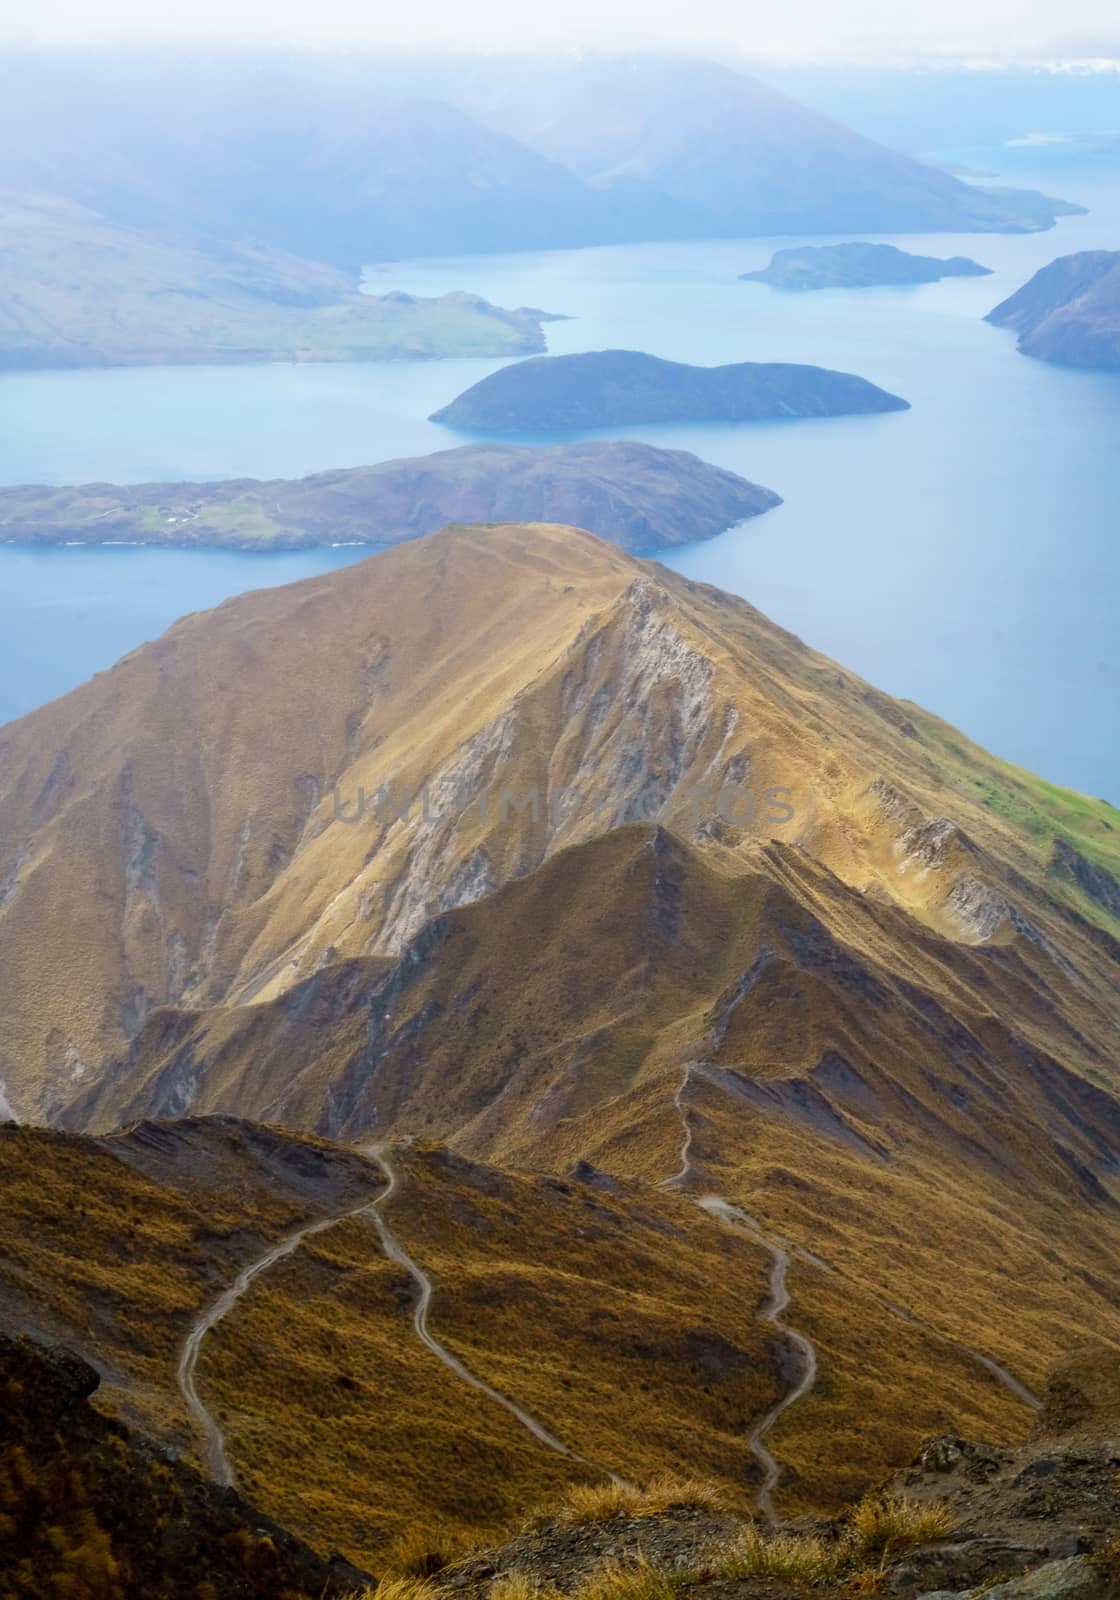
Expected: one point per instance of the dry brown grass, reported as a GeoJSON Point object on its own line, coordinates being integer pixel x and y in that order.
{"type": "Point", "coordinates": [598, 1502]}
{"type": "Point", "coordinates": [885, 1524]}
{"type": "Point", "coordinates": [402, 1588]}
{"type": "Point", "coordinates": [419, 1552]}
{"type": "Point", "coordinates": [638, 1579]}
{"type": "Point", "coordinates": [796, 1558]}
{"type": "Point", "coordinates": [521, 1586]}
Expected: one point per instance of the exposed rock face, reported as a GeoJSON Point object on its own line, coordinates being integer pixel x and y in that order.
{"type": "Point", "coordinates": [639, 497]}
{"type": "Point", "coordinates": [858, 266]}
{"type": "Point", "coordinates": [611, 388]}
{"type": "Point", "coordinates": [1069, 312]}
{"type": "Point", "coordinates": [1041, 1508]}
{"type": "Point", "coordinates": [1073, 1579]}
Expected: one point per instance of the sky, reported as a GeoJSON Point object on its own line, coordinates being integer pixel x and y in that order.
{"type": "Point", "coordinates": [866, 31]}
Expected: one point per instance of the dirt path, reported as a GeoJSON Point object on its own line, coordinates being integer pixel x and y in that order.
{"type": "Point", "coordinates": [396, 1252]}
{"type": "Point", "coordinates": [780, 1252]}
{"type": "Point", "coordinates": [216, 1459]}
{"type": "Point", "coordinates": [6, 1112]}
{"type": "Point", "coordinates": [773, 1313]}
{"type": "Point", "coordinates": [685, 1169]}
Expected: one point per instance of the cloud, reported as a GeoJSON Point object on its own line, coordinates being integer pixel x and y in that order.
{"type": "Point", "coordinates": [781, 30]}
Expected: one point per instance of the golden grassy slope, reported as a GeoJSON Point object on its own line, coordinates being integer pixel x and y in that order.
{"type": "Point", "coordinates": [906, 1022]}
{"type": "Point", "coordinates": [110, 1246]}
{"type": "Point", "coordinates": [169, 831]}
{"type": "Point", "coordinates": [623, 1319]}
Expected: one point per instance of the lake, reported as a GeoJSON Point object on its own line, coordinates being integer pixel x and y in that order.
{"type": "Point", "coordinates": [963, 554]}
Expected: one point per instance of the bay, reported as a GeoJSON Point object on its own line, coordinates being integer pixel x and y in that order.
{"type": "Point", "coordinates": [963, 554]}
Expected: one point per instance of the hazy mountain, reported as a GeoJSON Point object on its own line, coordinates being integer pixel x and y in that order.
{"type": "Point", "coordinates": [1069, 312]}
{"type": "Point", "coordinates": [640, 497]}
{"type": "Point", "coordinates": [82, 291]}
{"type": "Point", "coordinates": [368, 158]}
{"type": "Point", "coordinates": [857, 266]}
{"type": "Point", "coordinates": [611, 388]}
{"type": "Point", "coordinates": [752, 159]}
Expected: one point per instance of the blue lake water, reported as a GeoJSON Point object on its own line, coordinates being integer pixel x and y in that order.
{"type": "Point", "coordinates": [964, 554]}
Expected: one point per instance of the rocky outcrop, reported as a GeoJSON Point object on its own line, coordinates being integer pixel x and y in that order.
{"type": "Point", "coordinates": [1076, 1578]}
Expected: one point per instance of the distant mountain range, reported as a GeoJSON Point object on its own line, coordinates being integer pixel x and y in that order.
{"type": "Point", "coordinates": [611, 388]}
{"type": "Point", "coordinates": [369, 159]}
{"type": "Point", "coordinates": [636, 495]}
{"type": "Point", "coordinates": [1069, 312]}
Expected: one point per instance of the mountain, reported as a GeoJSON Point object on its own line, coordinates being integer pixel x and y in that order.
{"type": "Point", "coordinates": [612, 388]}
{"type": "Point", "coordinates": [313, 155]}
{"type": "Point", "coordinates": [82, 291]}
{"type": "Point", "coordinates": [857, 266]}
{"type": "Point", "coordinates": [638, 496]}
{"type": "Point", "coordinates": [750, 159]}
{"type": "Point", "coordinates": [661, 957]}
{"type": "Point", "coordinates": [1069, 312]}
{"type": "Point", "coordinates": [157, 852]}
{"type": "Point", "coordinates": [355, 159]}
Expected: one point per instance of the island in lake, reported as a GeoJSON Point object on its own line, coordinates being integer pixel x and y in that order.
{"type": "Point", "coordinates": [639, 496]}
{"type": "Point", "coordinates": [858, 266]}
{"type": "Point", "coordinates": [1069, 312]}
{"type": "Point", "coordinates": [80, 291]}
{"type": "Point", "coordinates": [613, 388]}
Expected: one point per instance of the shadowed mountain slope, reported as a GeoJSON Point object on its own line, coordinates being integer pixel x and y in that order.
{"type": "Point", "coordinates": [92, 1510]}
{"type": "Point", "coordinates": [1069, 312]}
{"type": "Point", "coordinates": [612, 388]}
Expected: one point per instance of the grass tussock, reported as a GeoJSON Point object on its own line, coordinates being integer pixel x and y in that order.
{"type": "Point", "coordinates": [797, 1558]}
{"type": "Point", "coordinates": [399, 1588]}
{"type": "Point", "coordinates": [419, 1553]}
{"type": "Point", "coordinates": [884, 1524]}
{"type": "Point", "coordinates": [599, 1502]}
{"type": "Point", "coordinates": [638, 1579]}
{"type": "Point", "coordinates": [521, 1586]}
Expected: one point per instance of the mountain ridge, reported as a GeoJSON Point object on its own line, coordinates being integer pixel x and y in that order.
{"type": "Point", "coordinates": [756, 982]}
{"type": "Point", "coordinates": [379, 159]}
